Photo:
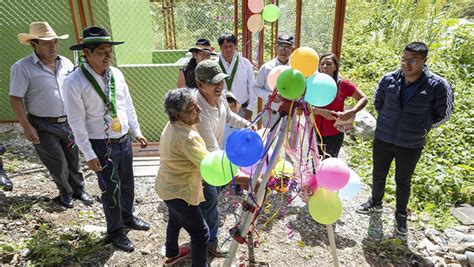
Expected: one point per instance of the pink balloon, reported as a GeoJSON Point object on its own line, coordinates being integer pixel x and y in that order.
{"type": "Point", "coordinates": [256, 6]}
{"type": "Point", "coordinates": [312, 182]}
{"type": "Point", "coordinates": [273, 75]}
{"type": "Point", "coordinates": [333, 174]}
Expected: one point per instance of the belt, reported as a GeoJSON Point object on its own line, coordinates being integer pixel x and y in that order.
{"type": "Point", "coordinates": [61, 119]}
{"type": "Point", "coordinates": [111, 140]}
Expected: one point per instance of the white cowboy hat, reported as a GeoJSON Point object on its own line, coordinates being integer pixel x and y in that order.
{"type": "Point", "coordinates": [40, 31]}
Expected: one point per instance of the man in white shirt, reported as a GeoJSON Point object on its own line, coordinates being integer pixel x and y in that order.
{"type": "Point", "coordinates": [101, 113]}
{"type": "Point", "coordinates": [241, 79]}
{"type": "Point", "coordinates": [36, 96]}
{"type": "Point", "coordinates": [215, 113]}
{"type": "Point", "coordinates": [284, 49]}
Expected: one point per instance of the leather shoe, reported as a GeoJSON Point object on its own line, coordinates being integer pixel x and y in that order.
{"type": "Point", "coordinates": [5, 182]}
{"type": "Point", "coordinates": [84, 197]}
{"type": "Point", "coordinates": [66, 201]}
{"type": "Point", "coordinates": [122, 242]}
{"type": "Point", "coordinates": [138, 224]}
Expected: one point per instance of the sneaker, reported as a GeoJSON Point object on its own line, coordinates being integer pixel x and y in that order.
{"type": "Point", "coordinates": [215, 251]}
{"type": "Point", "coordinates": [401, 226]}
{"type": "Point", "coordinates": [369, 207]}
{"type": "Point", "coordinates": [183, 253]}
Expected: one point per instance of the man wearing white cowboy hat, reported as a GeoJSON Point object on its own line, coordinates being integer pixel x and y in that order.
{"type": "Point", "coordinates": [36, 95]}
{"type": "Point", "coordinates": [101, 113]}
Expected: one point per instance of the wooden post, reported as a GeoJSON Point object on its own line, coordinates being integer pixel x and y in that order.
{"type": "Point", "coordinates": [74, 21]}
{"type": "Point", "coordinates": [332, 244]}
{"type": "Point", "coordinates": [338, 27]}
{"type": "Point", "coordinates": [299, 6]}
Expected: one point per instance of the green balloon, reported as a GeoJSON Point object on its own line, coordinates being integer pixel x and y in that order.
{"type": "Point", "coordinates": [325, 206]}
{"type": "Point", "coordinates": [271, 13]}
{"type": "Point", "coordinates": [216, 169]}
{"type": "Point", "coordinates": [291, 84]}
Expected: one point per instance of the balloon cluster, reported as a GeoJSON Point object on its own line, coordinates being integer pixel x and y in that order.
{"type": "Point", "coordinates": [243, 148]}
{"type": "Point", "coordinates": [332, 181]}
{"type": "Point", "coordinates": [269, 13]}
{"type": "Point", "coordinates": [300, 78]}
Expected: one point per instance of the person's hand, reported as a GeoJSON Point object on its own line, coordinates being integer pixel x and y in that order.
{"type": "Point", "coordinates": [31, 134]}
{"type": "Point", "coordinates": [253, 127]}
{"type": "Point", "coordinates": [328, 114]}
{"type": "Point", "coordinates": [346, 114]}
{"type": "Point", "coordinates": [276, 99]}
{"type": "Point", "coordinates": [143, 141]}
{"type": "Point", "coordinates": [94, 165]}
{"type": "Point", "coordinates": [247, 114]}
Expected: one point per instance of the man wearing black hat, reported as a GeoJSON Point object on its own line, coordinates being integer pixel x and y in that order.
{"type": "Point", "coordinates": [201, 51]}
{"type": "Point", "coordinates": [284, 49]}
{"type": "Point", "coordinates": [36, 97]}
{"type": "Point", "coordinates": [101, 113]}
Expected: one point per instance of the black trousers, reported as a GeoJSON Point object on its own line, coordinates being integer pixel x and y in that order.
{"type": "Point", "coordinates": [59, 154]}
{"type": "Point", "coordinates": [116, 181]}
{"type": "Point", "coordinates": [405, 164]}
{"type": "Point", "coordinates": [331, 145]}
{"type": "Point", "coordinates": [189, 217]}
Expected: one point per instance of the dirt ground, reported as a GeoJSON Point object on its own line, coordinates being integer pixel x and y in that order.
{"type": "Point", "coordinates": [292, 237]}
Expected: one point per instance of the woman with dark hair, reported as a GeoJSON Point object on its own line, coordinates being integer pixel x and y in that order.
{"type": "Point", "coordinates": [326, 116]}
{"type": "Point", "coordinates": [201, 51]}
{"type": "Point", "coordinates": [179, 182]}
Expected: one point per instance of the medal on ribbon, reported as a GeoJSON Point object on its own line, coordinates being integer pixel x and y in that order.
{"type": "Point", "coordinates": [116, 126]}
{"type": "Point", "coordinates": [109, 102]}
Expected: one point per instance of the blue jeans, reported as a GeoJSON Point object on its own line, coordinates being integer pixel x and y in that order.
{"type": "Point", "coordinates": [116, 182]}
{"type": "Point", "coordinates": [209, 210]}
{"type": "Point", "coordinates": [189, 217]}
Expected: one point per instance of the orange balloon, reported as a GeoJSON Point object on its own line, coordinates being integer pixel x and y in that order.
{"type": "Point", "coordinates": [255, 23]}
{"type": "Point", "coordinates": [306, 60]}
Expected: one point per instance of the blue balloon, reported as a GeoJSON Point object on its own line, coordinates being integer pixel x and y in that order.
{"type": "Point", "coordinates": [321, 89]}
{"type": "Point", "coordinates": [244, 147]}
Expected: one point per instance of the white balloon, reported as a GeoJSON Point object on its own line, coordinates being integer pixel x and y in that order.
{"type": "Point", "coordinates": [352, 188]}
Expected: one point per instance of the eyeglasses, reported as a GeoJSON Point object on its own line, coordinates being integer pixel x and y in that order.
{"type": "Point", "coordinates": [411, 61]}
{"type": "Point", "coordinates": [284, 47]}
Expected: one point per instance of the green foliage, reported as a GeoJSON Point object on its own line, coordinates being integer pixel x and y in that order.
{"type": "Point", "coordinates": [50, 248]}
{"type": "Point", "coordinates": [374, 39]}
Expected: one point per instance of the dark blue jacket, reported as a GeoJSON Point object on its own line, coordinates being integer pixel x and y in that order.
{"type": "Point", "coordinates": [408, 125]}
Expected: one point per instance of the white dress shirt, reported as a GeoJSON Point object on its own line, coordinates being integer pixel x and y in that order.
{"type": "Point", "coordinates": [213, 120]}
{"type": "Point", "coordinates": [261, 88]}
{"type": "Point", "coordinates": [40, 88]}
{"type": "Point", "coordinates": [244, 80]}
{"type": "Point", "coordinates": [86, 109]}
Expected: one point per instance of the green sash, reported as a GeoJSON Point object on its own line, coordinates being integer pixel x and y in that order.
{"type": "Point", "coordinates": [109, 104]}
{"type": "Point", "coordinates": [230, 80]}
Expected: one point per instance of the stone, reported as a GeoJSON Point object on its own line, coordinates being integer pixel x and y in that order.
{"type": "Point", "coordinates": [464, 214]}
{"type": "Point", "coordinates": [147, 250]}
{"type": "Point", "coordinates": [364, 124]}
{"type": "Point", "coordinates": [470, 257]}
{"type": "Point", "coordinates": [94, 229]}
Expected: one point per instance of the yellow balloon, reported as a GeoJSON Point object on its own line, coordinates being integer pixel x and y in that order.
{"type": "Point", "coordinates": [284, 167]}
{"type": "Point", "coordinates": [325, 206]}
{"type": "Point", "coordinates": [255, 23]}
{"type": "Point", "coordinates": [306, 60]}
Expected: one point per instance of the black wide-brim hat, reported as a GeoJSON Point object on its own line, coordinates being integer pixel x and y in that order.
{"type": "Point", "coordinates": [94, 35]}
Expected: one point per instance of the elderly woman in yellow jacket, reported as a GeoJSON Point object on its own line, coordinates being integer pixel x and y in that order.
{"type": "Point", "coordinates": [179, 182]}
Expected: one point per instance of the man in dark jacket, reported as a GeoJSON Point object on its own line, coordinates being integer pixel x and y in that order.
{"type": "Point", "coordinates": [409, 102]}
